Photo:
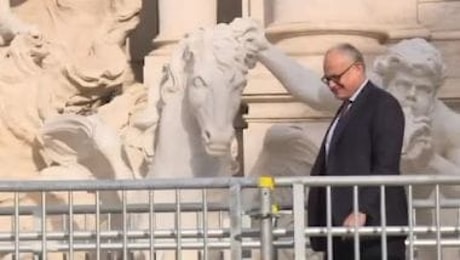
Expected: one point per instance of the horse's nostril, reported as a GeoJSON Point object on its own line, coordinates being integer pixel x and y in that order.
{"type": "Point", "coordinates": [207, 135]}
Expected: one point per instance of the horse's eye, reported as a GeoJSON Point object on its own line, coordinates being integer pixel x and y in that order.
{"type": "Point", "coordinates": [199, 82]}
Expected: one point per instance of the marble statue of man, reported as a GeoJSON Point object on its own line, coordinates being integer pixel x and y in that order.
{"type": "Point", "coordinates": [413, 71]}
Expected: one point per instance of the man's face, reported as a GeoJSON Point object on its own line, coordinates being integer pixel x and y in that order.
{"type": "Point", "coordinates": [413, 91]}
{"type": "Point", "coordinates": [342, 74]}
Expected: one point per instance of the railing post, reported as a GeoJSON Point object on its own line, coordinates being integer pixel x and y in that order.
{"type": "Point", "coordinates": [235, 222]}
{"type": "Point", "coordinates": [266, 184]}
{"type": "Point", "coordinates": [299, 220]}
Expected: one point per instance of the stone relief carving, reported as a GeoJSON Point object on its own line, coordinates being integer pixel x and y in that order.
{"type": "Point", "coordinates": [58, 75]}
{"type": "Point", "coordinates": [60, 66]}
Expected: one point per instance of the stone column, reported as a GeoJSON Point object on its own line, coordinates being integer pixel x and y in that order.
{"type": "Point", "coordinates": [305, 29]}
{"type": "Point", "coordinates": [176, 18]}
{"type": "Point", "coordinates": [397, 18]}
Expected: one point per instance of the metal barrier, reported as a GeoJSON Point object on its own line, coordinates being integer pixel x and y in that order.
{"type": "Point", "coordinates": [418, 235]}
{"type": "Point", "coordinates": [43, 239]}
{"type": "Point", "coordinates": [44, 219]}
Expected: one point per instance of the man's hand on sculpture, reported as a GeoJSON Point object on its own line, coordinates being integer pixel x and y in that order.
{"type": "Point", "coordinates": [355, 220]}
{"type": "Point", "coordinates": [252, 37]}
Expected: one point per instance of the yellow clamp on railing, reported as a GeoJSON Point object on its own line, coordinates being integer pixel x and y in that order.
{"type": "Point", "coordinates": [267, 182]}
{"type": "Point", "coordinates": [275, 209]}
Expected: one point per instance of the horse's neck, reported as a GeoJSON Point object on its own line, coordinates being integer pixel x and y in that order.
{"type": "Point", "coordinates": [179, 151]}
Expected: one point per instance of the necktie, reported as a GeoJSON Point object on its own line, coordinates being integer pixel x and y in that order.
{"type": "Point", "coordinates": [345, 107]}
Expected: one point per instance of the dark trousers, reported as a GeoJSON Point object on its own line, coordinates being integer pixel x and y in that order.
{"type": "Point", "coordinates": [369, 249]}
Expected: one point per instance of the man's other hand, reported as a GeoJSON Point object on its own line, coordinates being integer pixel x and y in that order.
{"type": "Point", "coordinates": [360, 219]}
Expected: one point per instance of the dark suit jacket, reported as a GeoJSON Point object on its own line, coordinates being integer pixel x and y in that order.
{"type": "Point", "coordinates": [367, 141]}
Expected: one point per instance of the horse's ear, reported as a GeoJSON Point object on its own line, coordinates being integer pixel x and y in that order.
{"type": "Point", "coordinates": [188, 56]}
{"type": "Point", "coordinates": [168, 84]}
{"type": "Point", "coordinates": [166, 74]}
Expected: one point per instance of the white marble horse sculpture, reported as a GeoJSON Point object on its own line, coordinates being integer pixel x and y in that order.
{"type": "Point", "coordinates": [200, 97]}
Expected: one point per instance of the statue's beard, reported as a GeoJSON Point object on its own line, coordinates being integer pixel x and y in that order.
{"type": "Point", "coordinates": [417, 148]}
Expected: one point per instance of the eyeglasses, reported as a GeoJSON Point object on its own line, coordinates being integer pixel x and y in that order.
{"type": "Point", "coordinates": [336, 78]}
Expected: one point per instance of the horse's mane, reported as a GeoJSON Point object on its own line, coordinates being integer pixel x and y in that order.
{"type": "Point", "coordinates": [226, 42]}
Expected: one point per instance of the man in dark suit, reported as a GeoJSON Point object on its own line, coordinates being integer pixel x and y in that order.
{"type": "Point", "coordinates": [365, 138]}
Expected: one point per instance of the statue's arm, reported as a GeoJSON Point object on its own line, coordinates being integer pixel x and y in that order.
{"type": "Point", "coordinates": [453, 155]}
{"type": "Point", "coordinates": [442, 165]}
{"type": "Point", "coordinates": [446, 129]}
{"type": "Point", "coordinates": [299, 81]}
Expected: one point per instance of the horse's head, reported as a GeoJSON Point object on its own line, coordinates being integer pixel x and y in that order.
{"type": "Point", "coordinates": [214, 64]}
{"type": "Point", "coordinates": [214, 85]}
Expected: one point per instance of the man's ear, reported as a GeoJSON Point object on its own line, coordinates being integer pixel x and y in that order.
{"type": "Point", "coordinates": [361, 66]}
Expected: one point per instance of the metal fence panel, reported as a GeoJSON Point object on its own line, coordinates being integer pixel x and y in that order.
{"type": "Point", "coordinates": [47, 219]}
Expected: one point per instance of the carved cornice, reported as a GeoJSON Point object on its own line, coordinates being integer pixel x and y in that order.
{"type": "Point", "coordinates": [445, 35]}
{"type": "Point", "coordinates": [276, 32]}
{"type": "Point", "coordinates": [380, 33]}
{"type": "Point", "coordinates": [401, 33]}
